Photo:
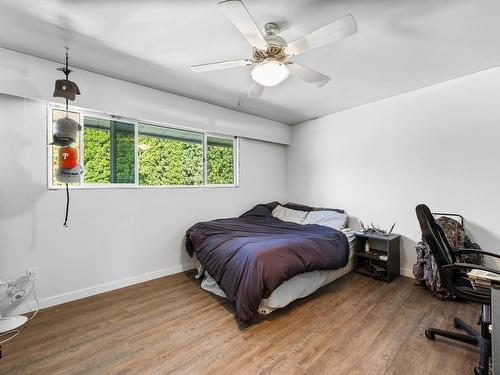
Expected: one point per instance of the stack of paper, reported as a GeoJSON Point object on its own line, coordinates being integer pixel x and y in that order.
{"type": "Point", "coordinates": [483, 279]}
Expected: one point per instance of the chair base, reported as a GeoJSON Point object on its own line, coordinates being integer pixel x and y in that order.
{"type": "Point", "coordinates": [471, 337]}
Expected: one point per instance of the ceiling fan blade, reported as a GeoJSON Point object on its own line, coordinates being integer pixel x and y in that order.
{"type": "Point", "coordinates": [238, 14]}
{"type": "Point", "coordinates": [329, 33]}
{"type": "Point", "coordinates": [307, 74]}
{"type": "Point", "coordinates": [220, 65]}
{"type": "Point", "coordinates": [256, 90]}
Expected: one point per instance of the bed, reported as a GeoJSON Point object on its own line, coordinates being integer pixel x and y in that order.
{"type": "Point", "coordinates": [268, 257]}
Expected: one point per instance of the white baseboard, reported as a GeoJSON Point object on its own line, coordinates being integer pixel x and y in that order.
{"type": "Point", "coordinates": [406, 272]}
{"type": "Point", "coordinates": [117, 284]}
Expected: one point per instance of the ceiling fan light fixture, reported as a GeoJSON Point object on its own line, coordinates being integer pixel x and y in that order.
{"type": "Point", "coordinates": [270, 72]}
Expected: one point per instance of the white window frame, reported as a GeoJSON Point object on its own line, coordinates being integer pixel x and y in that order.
{"type": "Point", "coordinates": [83, 186]}
{"type": "Point", "coordinates": [235, 158]}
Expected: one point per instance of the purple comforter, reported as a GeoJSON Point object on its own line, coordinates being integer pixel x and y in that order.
{"type": "Point", "coordinates": [252, 255]}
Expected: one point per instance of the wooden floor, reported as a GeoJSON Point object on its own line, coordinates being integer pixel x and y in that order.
{"type": "Point", "coordinates": [170, 325]}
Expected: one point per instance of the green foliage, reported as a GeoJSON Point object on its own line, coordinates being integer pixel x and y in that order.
{"type": "Point", "coordinates": [164, 161]}
{"type": "Point", "coordinates": [125, 156]}
{"type": "Point", "coordinates": [96, 156]}
{"type": "Point", "coordinates": [220, 164]}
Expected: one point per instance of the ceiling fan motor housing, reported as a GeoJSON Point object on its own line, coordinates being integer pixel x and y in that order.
{"type": "Point", "coordinates": [275, 45]}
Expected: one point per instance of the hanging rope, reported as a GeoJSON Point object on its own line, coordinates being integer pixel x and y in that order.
{"type": "Point", "coordinates": [66, 72]}
{"type": "Point", "coordinates": [67, 207]}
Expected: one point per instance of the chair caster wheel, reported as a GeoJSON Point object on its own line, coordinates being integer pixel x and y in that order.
{"type": "Point", "coordinates": [429, 334]}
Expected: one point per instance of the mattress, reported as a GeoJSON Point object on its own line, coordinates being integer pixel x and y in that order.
{"type": "Point", "coordinates": [299, 286]}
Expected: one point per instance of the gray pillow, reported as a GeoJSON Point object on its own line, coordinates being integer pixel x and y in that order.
{"type": "Point", "coordinates": [332, 219]}
{"type": "Point", "coordinates": [286, 214]}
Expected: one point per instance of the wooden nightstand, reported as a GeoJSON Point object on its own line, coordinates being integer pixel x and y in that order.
{"type": "Point", "coordinates": [369, 263]}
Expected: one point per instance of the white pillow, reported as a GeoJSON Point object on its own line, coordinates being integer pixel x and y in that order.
{"type": "Point", "coordinates": [287, 214]}
{"type": "Point", "coordinates": [332, 219]}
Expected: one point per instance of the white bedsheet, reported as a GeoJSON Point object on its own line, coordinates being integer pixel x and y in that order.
{"type": "Point", "coordinates": [299, 286]}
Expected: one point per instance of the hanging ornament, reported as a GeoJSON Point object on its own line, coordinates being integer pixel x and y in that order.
{"type": "Point", "coordinates": [65, 134]}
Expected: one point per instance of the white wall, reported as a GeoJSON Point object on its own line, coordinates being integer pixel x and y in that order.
{"type": "Point", "coordinates": [120, 236]}
{"type": "Point", "coordinates": [439, 145]}
{"type": "Point", "coordinates": [116, 236]}
{"type": "Point", "coordinates": [30, 77]}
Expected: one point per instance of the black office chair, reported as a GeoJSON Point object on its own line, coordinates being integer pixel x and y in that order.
{"type": "Point", "coordinates": [454, 278]}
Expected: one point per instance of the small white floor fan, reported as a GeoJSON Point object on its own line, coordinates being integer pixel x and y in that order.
{"type": "Point", "coordinates": [16, 293]}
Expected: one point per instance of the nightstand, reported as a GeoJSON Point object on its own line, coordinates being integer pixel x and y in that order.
{"type": "Point", "coordinates": [372, 262]}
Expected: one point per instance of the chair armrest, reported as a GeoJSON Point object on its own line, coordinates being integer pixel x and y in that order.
{"type": "Point", "coordinates": [458, 266]}
{"type": "Point", "coordinates": [476, 251]}
{"type": "Point", "coordinates": [471, 295]}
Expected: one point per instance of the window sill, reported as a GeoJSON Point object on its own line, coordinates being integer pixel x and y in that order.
{"type": "Point", "coordinates": [126, 187]}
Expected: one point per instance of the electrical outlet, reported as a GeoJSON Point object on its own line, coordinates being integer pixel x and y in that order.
{"type": "Point", "coordinates": [33, 272]}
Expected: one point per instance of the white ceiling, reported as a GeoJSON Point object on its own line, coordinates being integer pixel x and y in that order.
{"type": "Point", "coordinates": [401, 45]}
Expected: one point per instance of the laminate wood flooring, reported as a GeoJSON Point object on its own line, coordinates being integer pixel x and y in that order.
{"type": "Point", "coordinates": [356, 325]}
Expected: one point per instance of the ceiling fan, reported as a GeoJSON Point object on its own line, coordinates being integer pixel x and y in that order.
{"type": "Point", "coordinates": [271, 52]}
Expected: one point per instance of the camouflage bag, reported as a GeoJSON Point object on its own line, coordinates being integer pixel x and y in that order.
{"type": "Point", "coordinates": [425, 269]}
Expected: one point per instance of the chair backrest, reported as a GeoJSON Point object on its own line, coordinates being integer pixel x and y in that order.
{"type": "Point", "coordinates": [434, 237]}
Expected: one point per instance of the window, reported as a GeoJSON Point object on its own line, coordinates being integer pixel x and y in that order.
{"type": "Point", "coordinates": [169, 156]}
{"type": "Point", "coordinates": [118, 152]}
{"type": "Point", "coordinates": [109, 151]}
{"type": "Point", "coordinates": [54, 150]}
{"type": "Point", "coordinates": [220, 161]}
